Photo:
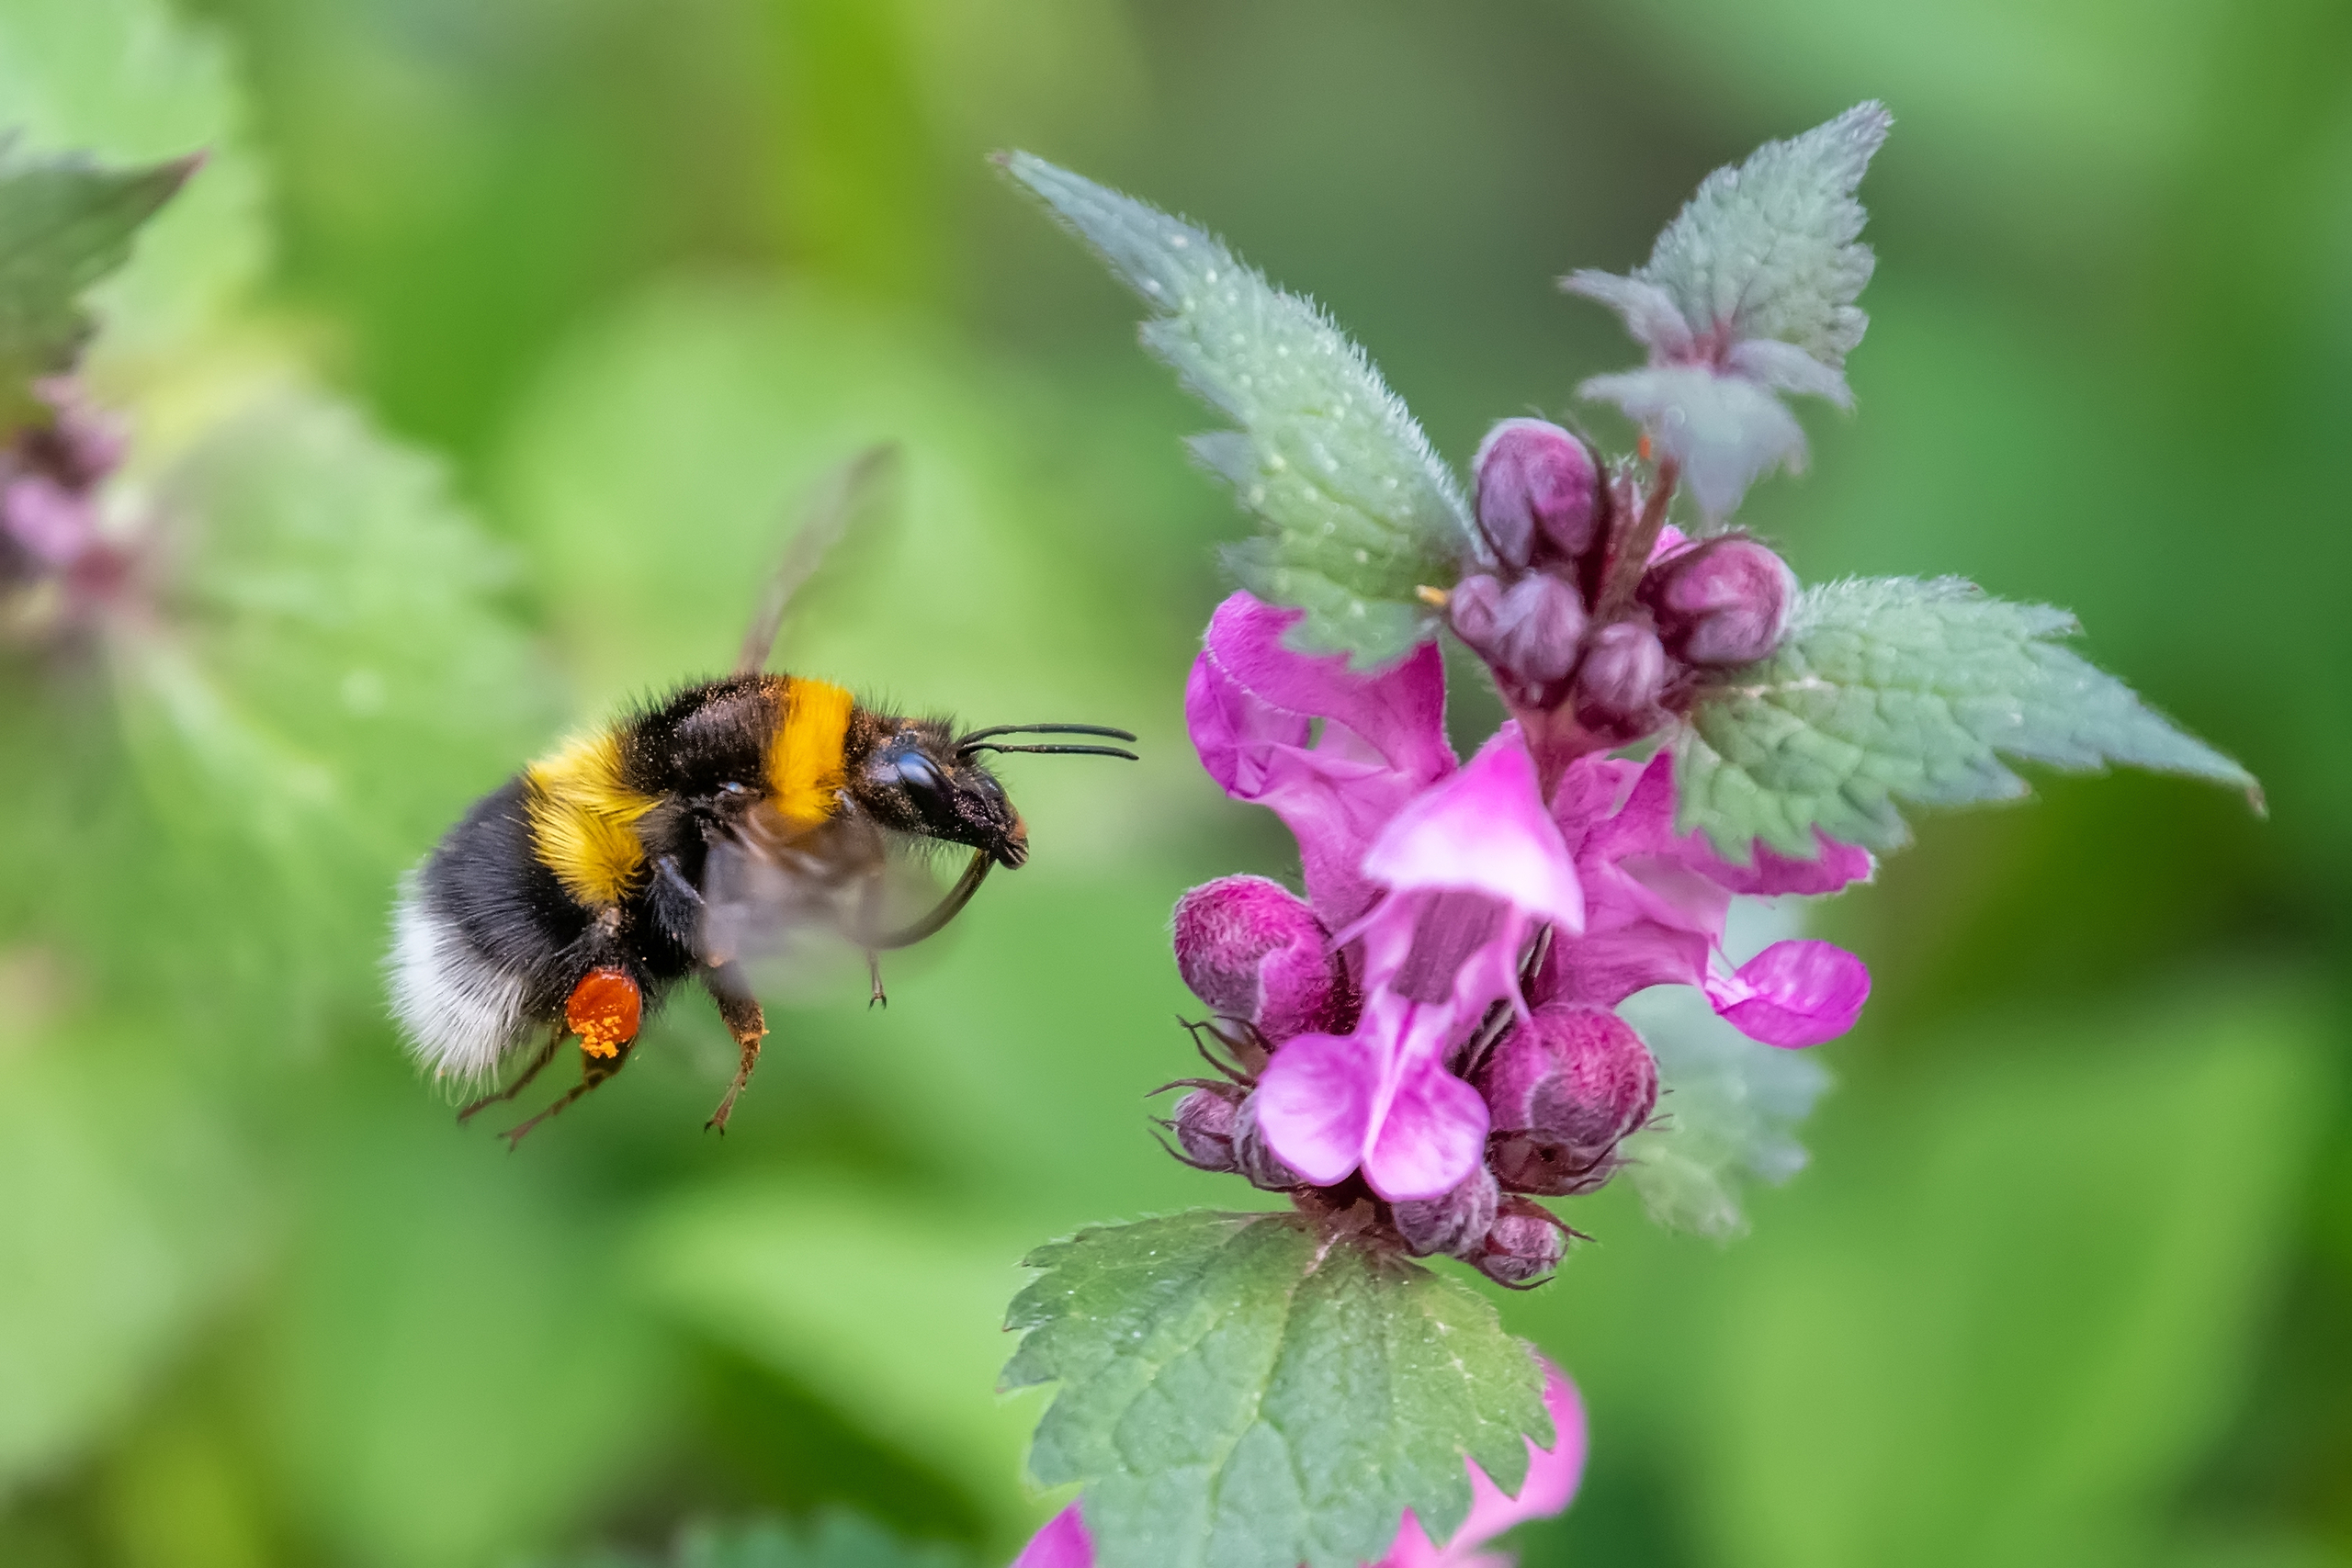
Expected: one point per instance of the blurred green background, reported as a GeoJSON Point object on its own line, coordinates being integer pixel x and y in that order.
{"type": "Point", "coordinates": [470, 380]}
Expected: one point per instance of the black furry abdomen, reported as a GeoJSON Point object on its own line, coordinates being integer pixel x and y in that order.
{"type": "Point", "coordinates": [484, 879]}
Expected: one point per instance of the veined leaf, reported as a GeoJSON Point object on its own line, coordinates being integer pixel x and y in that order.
{"type": "Point", "coordinates": [1768, 249]}
{"type": "Point", "coordinates": [64, 223]}
{"type": "Point", "coordinates": [1749, 293]}
{"type": "Point", "coordinates": [1240, 1391]}
{"type": "Point", "coordinates": [1359, 511]}
{"type": "Point", "coordinates": [1890, 689]}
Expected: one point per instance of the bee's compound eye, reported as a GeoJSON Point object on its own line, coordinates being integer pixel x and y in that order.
{"type": "Point", "coordinates": [919, 777]}
{"type": "Point", "coordinates": [603, 1009]}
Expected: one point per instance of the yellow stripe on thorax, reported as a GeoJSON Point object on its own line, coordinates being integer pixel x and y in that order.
{"type": "Point", "coordinates": [583, 819]}
{"type": "Point", "coordinates": [805, 753]}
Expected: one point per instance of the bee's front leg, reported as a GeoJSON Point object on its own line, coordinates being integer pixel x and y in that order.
{"type": "Point", "coordinates": [741, 1012]}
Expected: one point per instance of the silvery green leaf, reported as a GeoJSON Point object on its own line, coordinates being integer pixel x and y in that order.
{"type": "Point", "coordinates": [1358, 511]}
{"type": "Point", "coordinates": [1770, 249]}
{"type": "Point", "coordinates": [1240, 1391]}
{"type": "Point", "coordinates": [1895, 689]}
{"type": "Point", "coordinates": [1724, 431]}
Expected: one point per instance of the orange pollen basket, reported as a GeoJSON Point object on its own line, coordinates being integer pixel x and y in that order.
{"type": "Point", "coordinates": [603, 1011]}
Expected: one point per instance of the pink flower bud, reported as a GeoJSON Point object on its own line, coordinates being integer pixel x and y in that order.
{"type": "Point", "coordinates": [1454, 1224]}
{"type": "Point", "coordinates": [1622, 672]}
{"type": "Point", "coordinates": [1539, 491]}
{"type": "Point", "coordinates": [1205, 1121]}
{"type": "Point", "coordinates": [1537, 629]}
{"type": "Point", "coordinates": [1252, 949]}
{"type": "Point", "coordinates": [1724, 602]}
{"type": "Point", "coordinates": [1475, 609]}
{"type": "Point", "coordinates": [1524, 1244]}
{"type": "Point", "coordinates": [1562, 1090]}
{"type": "Point", "coordinates": [1253, 1158]}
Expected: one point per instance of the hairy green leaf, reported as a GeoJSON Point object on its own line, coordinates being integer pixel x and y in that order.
{"type": "Point", "coordinates": [64, 223]}
{"type": "Point", "coordinates": [1749, 293]}
{"type": "Point", "coordinates": [1359, 511]}
{"type": "Point", "coordinates": [1768, 249]}
{"type": "Point", "coordinates": [1240, 1391]}
{"type": "Point", "coordinates": [1890, 689]}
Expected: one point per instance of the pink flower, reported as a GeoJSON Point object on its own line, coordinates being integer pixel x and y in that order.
{"type": "Point", "coordinates": [1465, 869]}
{"type": "Point", "coordinates": [1656, 901]}
{"type": "Point", "coordinates": [1432, 878]}
{"type": "Point", "coordinates": [1061, 1543]}
{"type": "Point", "coordinates": [1552, 1477]}
{"type": "Point", "coordinates": [1253, 705]}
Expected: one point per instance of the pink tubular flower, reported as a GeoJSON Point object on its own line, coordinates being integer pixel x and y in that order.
{"type": "Point", "coordinates": [1465, 870]}
{"type": "Point", "coordinates": [1656, 901]}
{"type": "Point", "coordinates": [1252, 705]}
{"type": "Point", "coordinates": [1552, 1474]}
{"type": "Point", "coordinates": [1432, 878]}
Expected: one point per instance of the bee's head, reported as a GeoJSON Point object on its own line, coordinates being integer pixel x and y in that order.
{"type": "Point", "coordinates": [918, 776]}
{"type": "Point", "coordinates": [917, 780]}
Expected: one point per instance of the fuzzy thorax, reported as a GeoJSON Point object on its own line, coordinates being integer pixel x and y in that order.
{"type": "Point", "coordinates": [804, 761]}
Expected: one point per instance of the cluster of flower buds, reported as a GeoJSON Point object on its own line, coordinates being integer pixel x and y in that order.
{"type": "Point", "coordinates": [1563, 1087]}
{"type": "Point", "coordinates": [55, 561]}
{"type": "Point", "coordinates": [1570, 622]}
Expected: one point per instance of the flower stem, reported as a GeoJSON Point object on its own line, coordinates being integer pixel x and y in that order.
{"type": "Point", "coordinates": [1630, 554]}
{"type": "Point", "coordinates": [1554, 738]}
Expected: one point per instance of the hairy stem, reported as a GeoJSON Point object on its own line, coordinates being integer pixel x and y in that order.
{"type": "Point", "coordinates": [1629, 554]}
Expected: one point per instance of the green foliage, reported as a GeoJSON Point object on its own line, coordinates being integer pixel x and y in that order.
{"type": "Point", "coordinates": [64, 223]}
{"type": "Point", "coordinates": [1731, 1106]}
{"type": "Point", "coordinates": [1359, 511]}
{"type": "Point", "coordinates": [1891, 689]}
{"type": "Point", "coordinates": [1771, 249]}
{"type": "Point", "coordinates": [2009, 1325]}
{"type": "Point", "coordinates": [835, 1541]}
{"type": "Point", "coordinates": [266, 1307]}
{"type": "Point", "coordinates": [1241, 1390]}
{"type": "Point", "coordinates": [1748, 293]}
{"type": "Point", "coordinates": [125, 1233]}
{"type": "Point", "coordinates": [730, 1262]}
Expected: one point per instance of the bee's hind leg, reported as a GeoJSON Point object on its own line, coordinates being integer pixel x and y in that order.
{"type": "Point", "coordinates": [593, 1071]}
{"type": "Point", "coordinates": [538, 1063]}
{"type": "Point", "coordinates": [740, 1010]}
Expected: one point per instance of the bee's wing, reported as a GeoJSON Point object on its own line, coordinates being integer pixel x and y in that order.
{"type": "Point", "coordinates": [768, 892]}
{"type": "Point", "coordinates": [843, 495]}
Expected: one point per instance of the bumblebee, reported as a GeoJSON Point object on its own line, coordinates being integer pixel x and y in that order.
{"type": "Point", "coordinates": [693, 833]}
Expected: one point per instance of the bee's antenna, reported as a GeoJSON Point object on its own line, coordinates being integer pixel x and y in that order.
{"type": "Point", "coordinates": [968, 749]}
{"type": "Point", "coordinates": [964, 741]}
